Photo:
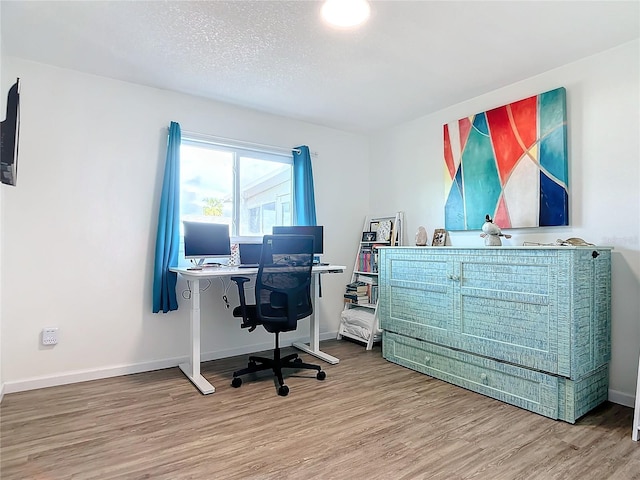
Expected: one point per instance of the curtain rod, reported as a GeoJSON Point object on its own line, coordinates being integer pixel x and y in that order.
{"type": "Point", "coordinates": [242, 143]}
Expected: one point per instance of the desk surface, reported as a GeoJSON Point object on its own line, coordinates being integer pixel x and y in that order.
{"type": "Point", "coordinates": [225, 271]}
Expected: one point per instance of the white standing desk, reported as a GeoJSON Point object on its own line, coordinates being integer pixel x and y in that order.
{"type": "Point", "coordinates": [192, 368]}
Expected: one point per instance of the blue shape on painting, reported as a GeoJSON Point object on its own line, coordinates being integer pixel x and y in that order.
{"type": "Point", "coordinates": [552, 110]}
{"type": "Point", "coordinates": [480, 124]}
{"type": "Point", "coordinates": [454, 208]}
{"type": "Point", "coordinates": [553, 155]}
{"type": "Point", "coordinates": [554, 203]}
{"type": "Point", "coordinates": [482, 188]}
{"type": "Point", "coordinates": [458, 180]}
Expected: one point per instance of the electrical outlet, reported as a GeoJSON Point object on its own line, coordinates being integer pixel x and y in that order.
{"type": "Point", "coordinates": [50, 336]}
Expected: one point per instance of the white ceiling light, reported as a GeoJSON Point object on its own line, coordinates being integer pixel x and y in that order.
{"type": "Point", "coordinates": [345, 13]}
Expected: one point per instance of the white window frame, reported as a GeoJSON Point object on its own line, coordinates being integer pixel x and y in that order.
{"type": "Point", "coordinates": [238, 150]}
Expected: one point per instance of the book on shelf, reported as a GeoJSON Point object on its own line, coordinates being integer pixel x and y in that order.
{"type": "Point", "coordinates": [368, 260]}
{"type": "Point", "coordinates": [368, 279]}
{"type": "Point", "coordinates": [373, 294]}
{"type": "Point", "coordinates": [360, 289]}
{"type": "Point", "coordinates": [357, 299]}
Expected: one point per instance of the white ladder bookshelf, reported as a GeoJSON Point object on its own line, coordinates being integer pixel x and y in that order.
{"type": "Point", "coordinates": [636, 411]}
{"type": "Point", "coordinates": [359, 321]}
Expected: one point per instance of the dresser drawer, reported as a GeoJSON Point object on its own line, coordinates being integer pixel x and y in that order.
{"type": "Point", "coordinates": [528, 389]}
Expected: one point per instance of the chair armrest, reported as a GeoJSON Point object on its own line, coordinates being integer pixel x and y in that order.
{"type": "Point", "coordinates": [240, 281]}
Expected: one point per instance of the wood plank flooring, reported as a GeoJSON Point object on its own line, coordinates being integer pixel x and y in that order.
{"type": "Point", "coordinates": [370, 419]}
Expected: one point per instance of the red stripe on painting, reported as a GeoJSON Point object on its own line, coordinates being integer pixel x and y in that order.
{"type": "Point", "coordinates": [506, 146]}
{"type": "Point", "coordinates": [448, 154]}
{"type": "Point", "coordinates": [525, 114]}
{"type": "Point", "coordinates": [501, 217]}
{"type": "Point", "coordinates": [464, 125]}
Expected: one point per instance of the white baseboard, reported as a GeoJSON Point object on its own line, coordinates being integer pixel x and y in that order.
{"type": "Point", "coordinates": [1, 391]}
{"type": "Point", "coordinates": [99, 373]}
{"type": "Point", "coordinates": [621, 398]}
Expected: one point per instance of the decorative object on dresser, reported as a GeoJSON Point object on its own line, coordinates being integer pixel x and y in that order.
{"type": "Point", "coordinates": [421, 237]}
{"type": "Point", "coordinates": [492, 233]}
{"type": "Point", "coordinates": [439, 237]}
{"type": "Point", "coordinates": [511, 161]}
{"type": "Point", "coordinates": [530, 326]}
{"type": "Point", "coordinates": [359, 319]}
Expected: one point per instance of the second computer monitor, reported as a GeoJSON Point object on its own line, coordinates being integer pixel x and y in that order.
{"type": "Point", "coordinates": [316, 231]}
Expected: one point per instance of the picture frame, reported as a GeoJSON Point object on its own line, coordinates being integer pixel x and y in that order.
{"type": "Point", "coordinates": [373, 226]}
{"type": "Point", "coordinates": [368, 236]}
{"type": "Point", "coordinates": [439, 237]}
{"type": "Point", "coordinates": [383, 233]}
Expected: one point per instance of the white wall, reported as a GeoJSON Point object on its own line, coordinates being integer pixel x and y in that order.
{"type": "Point", "coordinates": [603, 127]}
{"type": "Point", "coordinates": [79, 230]}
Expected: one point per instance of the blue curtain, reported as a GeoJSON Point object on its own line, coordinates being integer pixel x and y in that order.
{"type": "Point", "coordinates": [304, 201]}
{"type": "Point", "coordinates": [168, 237]}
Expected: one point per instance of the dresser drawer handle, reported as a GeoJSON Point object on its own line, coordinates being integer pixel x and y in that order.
{"type": "Point", "coordinates": [427, 359]}
{"type": "Point", "coordinates": [455, 278]}
{"type": "Point", "coordinates": [483, 377]}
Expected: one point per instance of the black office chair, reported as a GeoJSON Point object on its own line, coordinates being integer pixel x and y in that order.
{"type": "Point", "coordinates": [283, 296]}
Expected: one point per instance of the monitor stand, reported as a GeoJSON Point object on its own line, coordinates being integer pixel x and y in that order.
{"type": "Point", "coordinates": [201, 263]}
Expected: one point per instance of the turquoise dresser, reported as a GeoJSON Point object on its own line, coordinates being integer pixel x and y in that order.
{"type": "Point", "coordinates": [530, 326]}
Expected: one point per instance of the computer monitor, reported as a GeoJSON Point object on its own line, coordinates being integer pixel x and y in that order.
{"type": "Point", "coordinates": [206, 240]}
{"type": "Point", "coordinates": [316, 231]}
{"type": "Point", "coordinates": [250, 253]}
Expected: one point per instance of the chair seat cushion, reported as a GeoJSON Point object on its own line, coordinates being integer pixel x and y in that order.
{"type": "Point", "coordinates": [270, 326]}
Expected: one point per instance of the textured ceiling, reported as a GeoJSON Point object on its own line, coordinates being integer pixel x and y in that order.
{"type": "Point", "coordinates": [410, 59]}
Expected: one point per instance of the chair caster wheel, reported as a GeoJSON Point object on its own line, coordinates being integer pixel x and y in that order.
{"type": "Point", "coordinates": [236, 382]}
{"type": "Point", "coordinates": [321, 375]}
{"type": "Point", "coordinates": [283, 391]}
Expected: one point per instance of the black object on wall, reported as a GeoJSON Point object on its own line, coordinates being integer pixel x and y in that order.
{"type": "Point", "coordinates": [9, 133]}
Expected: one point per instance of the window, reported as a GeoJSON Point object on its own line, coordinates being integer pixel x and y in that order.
{"type": "Point", "coordinates": [248, 190]}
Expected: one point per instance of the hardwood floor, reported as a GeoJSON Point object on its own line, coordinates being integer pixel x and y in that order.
{"type": "Point", "coordinates": [370, 419]}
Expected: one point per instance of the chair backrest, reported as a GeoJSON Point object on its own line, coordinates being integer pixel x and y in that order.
{"type": "Point", "coordinates": [283, 283]}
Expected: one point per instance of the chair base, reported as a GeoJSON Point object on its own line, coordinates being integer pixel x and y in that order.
{"type": "Point", "coordinates": [276, 364]}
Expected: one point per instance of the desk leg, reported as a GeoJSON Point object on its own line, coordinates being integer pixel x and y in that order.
{"type": "Point", "coordinates": [314, 326]}
{"type": "Point", "coordinates": [192, 369]}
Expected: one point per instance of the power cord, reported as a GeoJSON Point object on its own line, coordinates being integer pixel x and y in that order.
{"type": "Point", "coordinates": [224, 296]}
{"type": "Point", "coordinates": [186, 293]}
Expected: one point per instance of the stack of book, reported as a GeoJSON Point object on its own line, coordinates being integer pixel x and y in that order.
{"type": "Point", "coordinates": [373, 286]}
{"type": "Point", "coordinates": [357, 293]}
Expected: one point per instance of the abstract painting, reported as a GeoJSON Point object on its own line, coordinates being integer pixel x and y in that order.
{"type": "Point", "coordinates": [509, 163]}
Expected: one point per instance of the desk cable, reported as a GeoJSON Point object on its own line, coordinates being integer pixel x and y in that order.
{"type": "Point", "coordinates": [224, 296]}
{"type": "Point", "coordinates": [186, 293]}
